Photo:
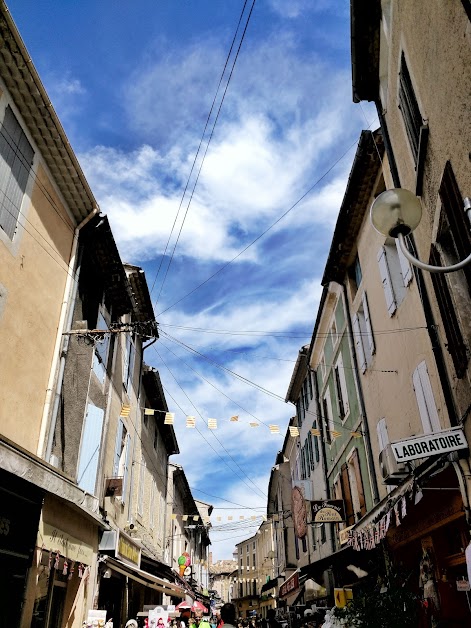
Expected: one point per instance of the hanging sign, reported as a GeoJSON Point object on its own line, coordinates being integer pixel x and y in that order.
{"type": "Point", "coordinates": [429, 445]}
{"type": "Point", "coordinates": [328, 511]}
{"type": "Point", "coordinates": [289, 586]}
{"type": "Point", "coordinates": [128, 550]}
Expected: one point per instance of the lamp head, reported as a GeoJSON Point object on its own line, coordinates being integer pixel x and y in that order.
{"type": "Point", "coordinates": [395, 211]}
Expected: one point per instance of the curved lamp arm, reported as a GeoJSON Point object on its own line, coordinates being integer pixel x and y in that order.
{"type": "Point", "coordinates": [428, 267]}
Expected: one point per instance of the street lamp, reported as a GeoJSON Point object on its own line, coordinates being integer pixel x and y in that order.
{"type": "Point", "coordinates": [397, 213]}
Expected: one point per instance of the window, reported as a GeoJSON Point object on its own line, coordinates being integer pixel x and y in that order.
{"type": "Point", "coordinates": [128, 361]}
{"type": "Point", "coordinates": [102, 345]}
{"type": "Point", "coordinates": [305, 395]}
{"type": "Point", "coordinates": [453, 244]}
{"type": "Point", "coordinates": [382, 432]}
{"type": "Point", "coordinates": [316, 442]}
{"type": "Point", "coordinates": [409, 108]}
{"type": "Point", "coordinates": [396, 274]}
{"type": "Point", "coordinates": [341, 389]}
{"type": "Point", "coordinates": [357, 274]}
{"type": "Point", "coordinates": [90, 449]}
{"type": "Point", "coordinates": [363, 334]}
{"type": "Point", "coordinates": [152, 504]}
{"type": "Point", "coordinates": [142, 479]}
{"type": "Point", "coordinates": [328, 419]}
{"type": "Point", "coordinates": [347, 495]}
{"type": "Point", "coordinates": [356, 485]}
{"type": "Point", "coordinates": [16, 159]}
{"type": "Point", "coordinates": [425, 399]}
{"type": "Point", "coordinates": [121, 456]}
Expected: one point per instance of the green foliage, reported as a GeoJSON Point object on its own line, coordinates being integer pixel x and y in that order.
{"type": "Point", "coordinates": [396, 607]}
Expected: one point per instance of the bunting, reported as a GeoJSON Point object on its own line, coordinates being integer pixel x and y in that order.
{"type": "Point", "coordinates": [293, 431]}
{"type": "Point", "coordinates": [212, 424]}
{"type": "Point", "coordinates": [190, 421]}
{"type": "Point", "coordinates": [169, 418]}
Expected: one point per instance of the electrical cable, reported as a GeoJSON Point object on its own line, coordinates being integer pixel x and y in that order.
{"type": "Point", "coordinates": [224, 266]}
{"type": "Point", "coordinates": [196, 156]}
{"type": "Point", "coordinates": [199, 432]}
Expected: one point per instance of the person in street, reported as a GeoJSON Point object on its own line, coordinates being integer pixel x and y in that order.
{"type": "Point", "coordinates": [204, 623]}
{"type": "Point", "coordinates": [228, 615]}
{"type": "Point", "coordinates": [272, 621]}
{"type": "Point", "coordinates": [219, 622]}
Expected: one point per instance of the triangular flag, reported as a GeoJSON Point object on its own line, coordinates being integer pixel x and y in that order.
{"type": "Point", "coordinates": [212, 424]}
{"type": "Point", "coordinates": [274, 429]}
{"type": "Point", "coordinates": [335, 434]}
{"type": "Point", "coordinates": [356, 434]}
{"type": "Point", "coordinates": [293, 430]}
{"type": "Point", "coordinates": [125, 410]}
{"type": "Point", "coordinates": [190, 421]}
{"type": "Point", "coordinates": [149, 411]}
{"type": "Point", "coordinates": [235, 417]}
{"type": "Point", "coordinates": [315, 432]}
{"type": "Point", "coordinates": [169, 417]}
{"type": "Point", "coordinates": [254, 424]}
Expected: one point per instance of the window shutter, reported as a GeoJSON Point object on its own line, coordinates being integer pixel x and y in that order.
{"type": "Point", "coordinates": [383, 436]}
{"type": "Point", "coordinates": [347, 495]}
{"type": "Point", "coordinates": [369, 329]}
{"type": "Point", "coordinates": [406, 268]}
{"type": "Point", "coordinates": [454, 337]}
{"type": "Point", "coordinates": [361, 494]}
{"type": "Point", "coordinates": [359, 343]}
{"type": "Point", "coordinates": [343, 383]}
{"type": "Point", "coordinates": [90, 449]}
{"type": "Point", "coordinates": [386, 280]}
{"type": "Point", "coordinates": [117, 449]}
{"type": "Point", "coordinates": [142, 477]}
{"type": "Point", "coordinates": [126, 467]}
{"type": "Point", "coordinates": [16, 159]}
{"type": "Point", "coordinates": [425, 400]}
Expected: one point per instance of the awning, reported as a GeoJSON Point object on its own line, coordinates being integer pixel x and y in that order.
{"type": "Point", "coordinates": [271, 584]}
{"type": "Point", "coordinates": [145, 578]}
{"type": "Point", "coordinates": [332, 560]}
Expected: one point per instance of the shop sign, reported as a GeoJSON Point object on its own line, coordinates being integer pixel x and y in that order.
{"type": "Point", "coordinates": [429, 445]}
{"type": "Point", "coordinates": [289, 586]}
{"type": "Point", "coordinates": [462, 585]}
{"type": "Point", "coordinates": [344, 535]}
{"type": "Point", "coordinates": [328, 511]}
{"type": "Point", "coordinates": [342, 597]}
{"type": "Point", "coordinates": [128, 551]}
{"type": "Point", "coordinates": [54, 539]}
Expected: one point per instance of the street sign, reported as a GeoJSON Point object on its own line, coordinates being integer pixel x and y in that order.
{"type": "Point", "coordinates": [429, 445]}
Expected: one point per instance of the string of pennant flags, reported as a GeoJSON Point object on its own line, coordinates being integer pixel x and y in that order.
{"type": "Point", "coordinates": [206, 519]}
{"type": "Point", "coordinates": [212, 424]}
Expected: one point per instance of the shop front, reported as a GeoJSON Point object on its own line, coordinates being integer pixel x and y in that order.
{"type": "Point", "coordinates": [125, 589]}
{"type": "Point", "coordinates": [20, 508]}
{"type": "Point", "coordinates": [61, 579]}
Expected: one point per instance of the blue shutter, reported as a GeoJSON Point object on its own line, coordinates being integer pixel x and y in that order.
{"type": "Point", "coordinates": [90, 449]}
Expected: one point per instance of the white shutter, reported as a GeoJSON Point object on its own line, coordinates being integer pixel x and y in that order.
{"type": "Point", "coordinates": [406, 268]}
{"type": "Point", "coordinates": [369, 329]}
{"type": "Point", "coordinates": [142, 478]}
{"type": "Point", "coordinates": [117, 449]}
{"type": "Point", "coordinates": [126, 467]}
{"type": "Point", "coordinates": [425, 399]}
{"type": "Point", "coordinates": [386, 280]}
{"type": "Point", "coordinates": [330, 422]}
{"type": "Point", "coordinates": [359, 343]}
{"type": "Point", "coordinates": [90, 449]}
{"type": "Point", "coordinates": [383, 436]}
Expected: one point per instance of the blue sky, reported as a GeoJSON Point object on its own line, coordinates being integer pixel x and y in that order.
{"type": "Point", "coordinates": [133, 84]}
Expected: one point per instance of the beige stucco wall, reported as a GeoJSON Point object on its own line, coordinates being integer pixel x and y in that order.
{"type": "Point", "coordinates": [436, 39]}
{"type": "Point", "coordinates": [33, 272]}
{"type": "Point", "coordinates": [80, 592]}
{"type": "Point", "coordinates": [402, 342]}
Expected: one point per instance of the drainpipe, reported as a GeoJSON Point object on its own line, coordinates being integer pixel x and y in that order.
{"type": "Point", "coordinates": [60, 347]}
{"type": "Point", "coordinates": [364, 422]}
{"type": "Point", "coordinates": [423, 294]}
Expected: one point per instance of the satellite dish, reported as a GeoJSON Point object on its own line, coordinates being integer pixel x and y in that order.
{"type": "Point", "coordinates": [187, 571]}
